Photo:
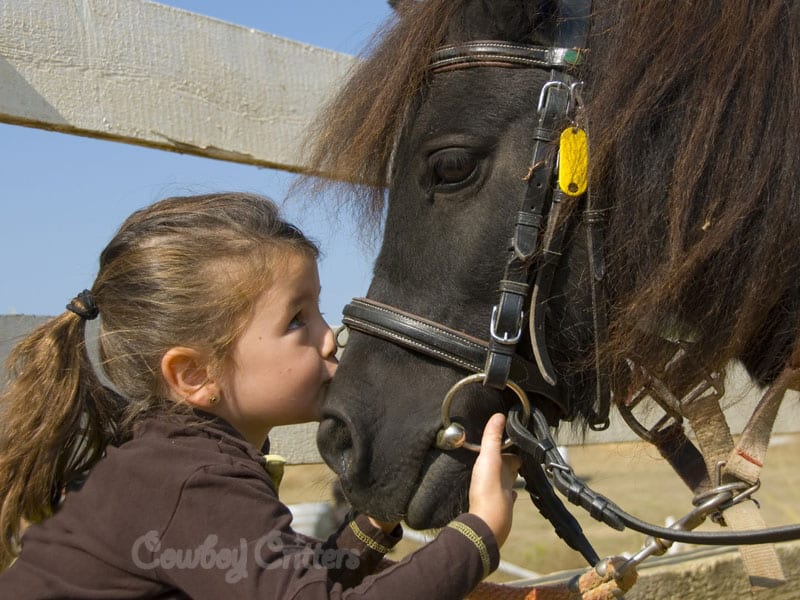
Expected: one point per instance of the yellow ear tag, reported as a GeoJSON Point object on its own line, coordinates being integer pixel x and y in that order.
{"type": "Point", "coordinates": [573, 161]}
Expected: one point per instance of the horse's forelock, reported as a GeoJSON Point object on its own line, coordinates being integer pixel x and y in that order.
{"type": "Point", "coordinates": [353, 138]}
{"type": "Point", "coordinates": [352, 141]}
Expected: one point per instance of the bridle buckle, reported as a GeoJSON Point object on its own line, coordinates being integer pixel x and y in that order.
{"type": "Point", "coordinates": [506, 340]}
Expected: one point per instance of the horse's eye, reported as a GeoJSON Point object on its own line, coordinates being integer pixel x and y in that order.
{"type": "Point", "coordinates": [452, 168]}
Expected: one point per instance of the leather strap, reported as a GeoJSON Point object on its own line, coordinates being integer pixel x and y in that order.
{"type": "Point", "coordinates": [503, 54]}
{"type": "Point", "coordinates": [716, 442]}
{"type": "Point", "coordinates": [597, 270]}
{"type": "Point", "coordinates": [448, 345]}
{"type": "Point", "coordinates": [538, 203]}
{"type": "Point", "coordinates": [552, 508]}
{"type": "Point", "coordinates": [723, 468]}
{"type": "Point", "coordinates": [551, 256]}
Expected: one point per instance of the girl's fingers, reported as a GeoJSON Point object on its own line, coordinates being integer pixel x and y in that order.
{"type": "Point", "coordinates": [493, 434]}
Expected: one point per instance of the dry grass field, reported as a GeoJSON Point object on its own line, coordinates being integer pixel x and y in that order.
{"type": "Point", "coordinates": [631, 474]}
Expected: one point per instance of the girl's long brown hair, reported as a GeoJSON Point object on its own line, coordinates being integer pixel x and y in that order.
{"type": "Point", "coordinates": [56, 420]}
{"type": "Point", "coordinates": [183, 271]}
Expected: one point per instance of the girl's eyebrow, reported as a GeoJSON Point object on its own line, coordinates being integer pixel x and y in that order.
{"type": "Point", "coordinates": [303, 296]}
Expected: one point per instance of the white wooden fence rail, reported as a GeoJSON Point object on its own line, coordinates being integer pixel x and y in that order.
{"type": "Point", "coordinates": [148, 74]}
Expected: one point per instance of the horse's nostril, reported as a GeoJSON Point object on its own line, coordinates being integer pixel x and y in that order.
{"type": "Point", "coordinates": [338, 444]}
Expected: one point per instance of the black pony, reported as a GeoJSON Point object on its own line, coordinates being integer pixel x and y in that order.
{"type": "Point", "coordinates": [692, 114]}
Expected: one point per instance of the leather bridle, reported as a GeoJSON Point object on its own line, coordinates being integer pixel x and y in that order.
{"type": "Point", "coordinates": [537, 240]}
{"type": "Point", "coordinates": [532, 262]}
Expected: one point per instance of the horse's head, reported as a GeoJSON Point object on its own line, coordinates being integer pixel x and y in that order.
{"type": "Point", "coordinates": [456, 146]}
{"type": "Point", "coordinates": [460, 171]}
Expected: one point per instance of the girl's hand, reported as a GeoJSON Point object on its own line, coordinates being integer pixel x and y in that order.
{"type": "Point", "coordinates": [490, 492]}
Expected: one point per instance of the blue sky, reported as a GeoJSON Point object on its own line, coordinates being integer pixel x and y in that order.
{"type": "Point", "coordinates": [63, 196]}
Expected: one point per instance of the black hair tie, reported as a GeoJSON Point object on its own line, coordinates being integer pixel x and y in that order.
{"type": "Point", "coordinates": [84, 306]}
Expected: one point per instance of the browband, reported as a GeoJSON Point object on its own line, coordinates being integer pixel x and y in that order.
{"type": "Point", "coordinates": [482, 53]}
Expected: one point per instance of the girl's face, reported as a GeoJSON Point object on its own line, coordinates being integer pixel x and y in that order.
{"type": "Point", "coordinates": [284, 358]}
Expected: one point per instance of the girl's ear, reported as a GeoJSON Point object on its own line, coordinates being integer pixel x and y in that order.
{"type": "Point", "coordinates": [188, 377]}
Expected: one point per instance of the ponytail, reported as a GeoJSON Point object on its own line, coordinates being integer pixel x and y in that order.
{"type": "Point", "coordinates": [56, 419]}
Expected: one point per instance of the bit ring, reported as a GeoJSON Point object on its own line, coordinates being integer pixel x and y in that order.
{"type": "Point", "coordinates": [452, 435]}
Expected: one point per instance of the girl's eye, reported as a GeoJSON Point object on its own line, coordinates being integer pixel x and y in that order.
{"type": "Point", "coordinates": [297, 322]}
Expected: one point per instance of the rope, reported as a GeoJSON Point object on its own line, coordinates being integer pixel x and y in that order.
{"type": "Point", "coordinates": [596, 584]}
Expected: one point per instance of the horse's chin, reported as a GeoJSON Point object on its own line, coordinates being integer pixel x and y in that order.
{"type": "Point", "coordinates": [442, 493]}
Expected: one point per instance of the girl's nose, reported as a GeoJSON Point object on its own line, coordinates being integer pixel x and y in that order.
{"type": "Point", "coordinates": [328, 343]}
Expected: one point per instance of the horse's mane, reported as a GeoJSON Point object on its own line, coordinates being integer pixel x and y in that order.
{"type": "Point", "coordinates": [695, 136]}
{"type": "Point", "coordinates": [692, 111]}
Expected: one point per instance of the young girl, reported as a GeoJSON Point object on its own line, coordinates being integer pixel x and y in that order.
{"type": "Point", "coordinates": [210, 334]}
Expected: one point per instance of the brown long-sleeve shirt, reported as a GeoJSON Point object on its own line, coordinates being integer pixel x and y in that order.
{"type": "Point", "coordinates": [186, 509]}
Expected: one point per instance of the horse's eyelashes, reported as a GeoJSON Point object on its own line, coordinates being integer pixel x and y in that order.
{"type": "Point", "coordinates": [452, 168]}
